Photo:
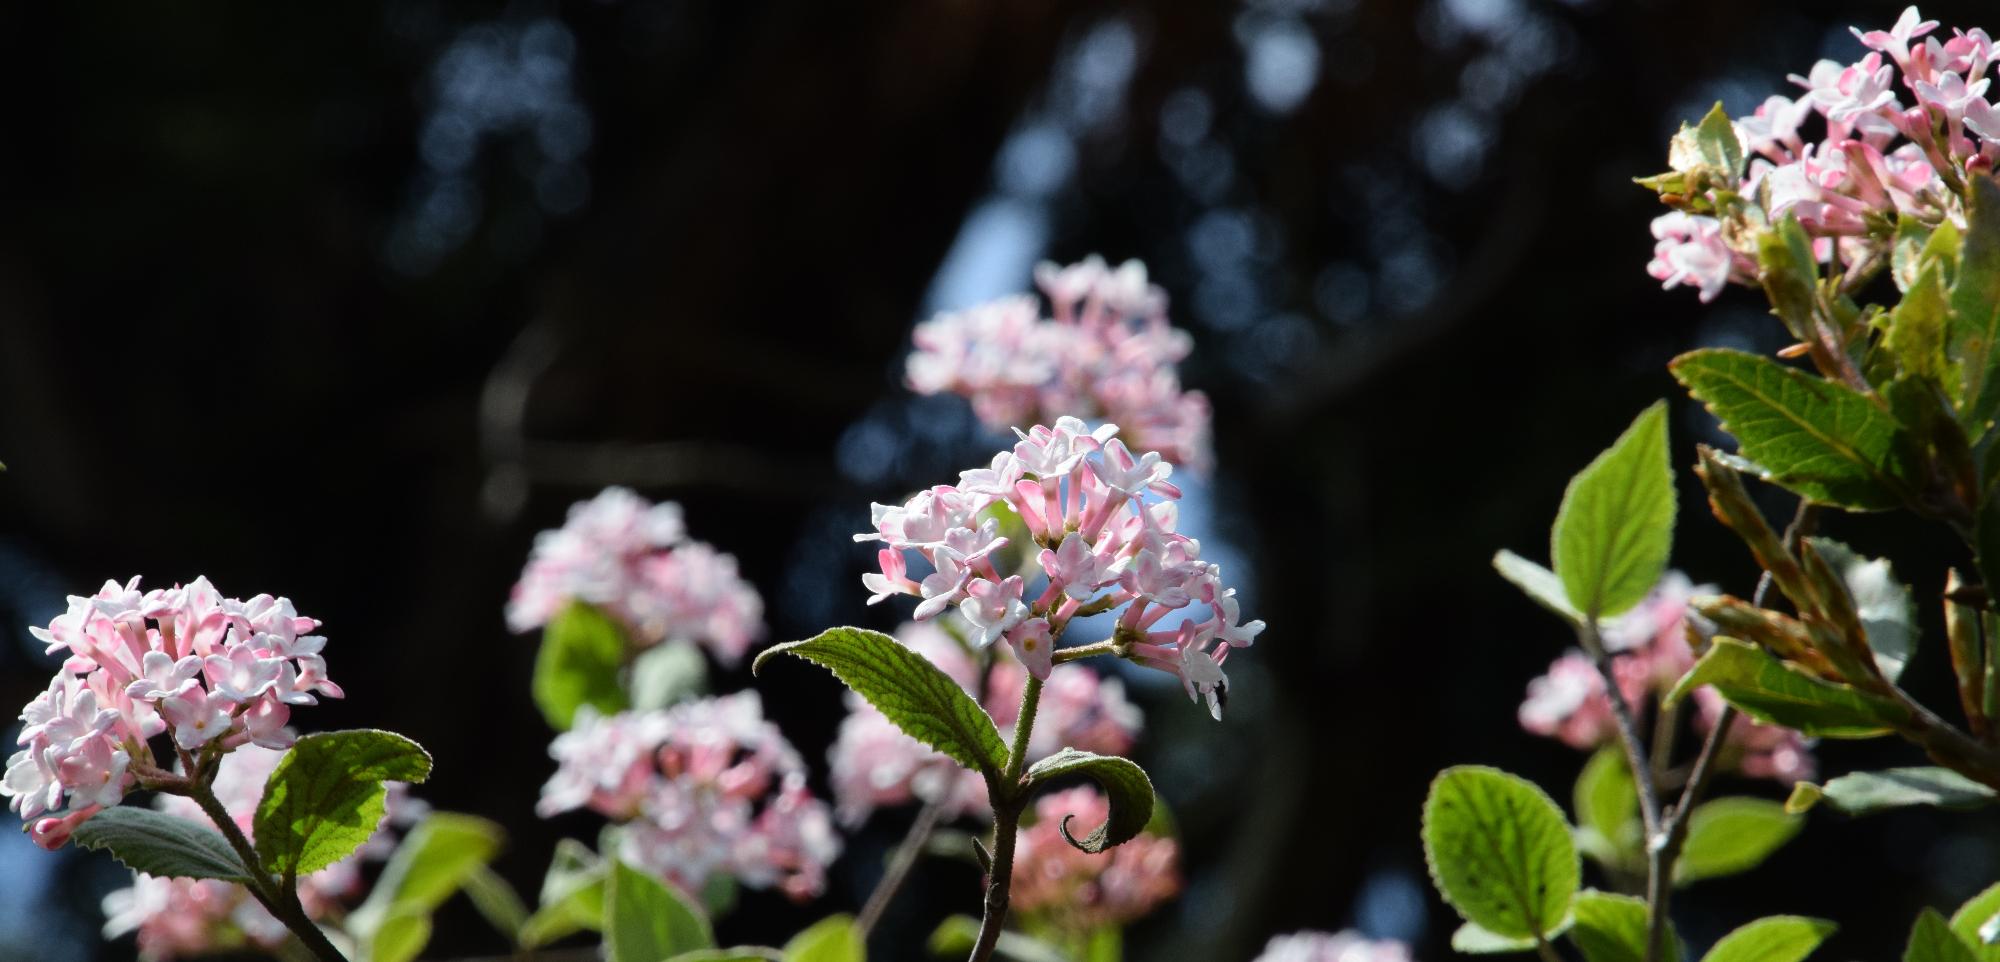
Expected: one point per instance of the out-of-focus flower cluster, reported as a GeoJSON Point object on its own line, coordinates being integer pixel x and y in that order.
{"type": "Point", "coordinates": [1651, 651]}
{"type": "Point", "coordinates": [1060, 886]}
{"type": "Point", "coordinates": [1108, 352]}
{"type": "Point", "coordinates": [705, 787]}
{"type": "Point", "coordinates": [875, 765]}
{"type": "Point", "coordinates": [1333, 947]}
{"type": "Point", "coordinates": [178, 917]}
{"type": "Point", "coordinates": [1845, 158]}
{"type": "Point", "coordinates": [1104, 519]}
{"type": "Point", "coordinates": [633, 560]}
{"type": "Point", "coordinates": [215, 673]}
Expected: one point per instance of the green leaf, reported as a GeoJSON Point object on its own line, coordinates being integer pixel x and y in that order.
{"type": "Point", "coordinates": [1906, 254]}
{"type": "Point", "coordinates": [1932, 940]}
{"type": "Point", "coordinates": [1731, 835]}
{"type": "Point", "coordinates": [738, 953]}
{"type": "Point", "coordinates": [1821, 440]}
{"type": "Point", "coordinates": [1804, 796]}
{"type": "Point", "coordinates": [1917, 329]}
{"type": "Point", "coordinates": [1471, 939]}
{"type": "Point", "coordinates": [430, 864]}
{"type": "Point", "coordinates": [1789, 274]}
{"type": "Point", "coordinates": [159, 844]}
{"type": "Point", "coordinates": [581, 654]}
{"type": "Point", "coordinates": [923, 701]}
{"type": "Point", "coordinates": [956, 935]}
{"type": "Point", "coordinates": [1974, 922]}
{"type": "Point", "coordinates": [1716, 138]}
{"type": "Point", "coordinates": [1125, 786]}
{"type": "Point", "coordinates": [1607, 809]}
{"type": "Point", "coordinates": [497, 902]}
{"type": "Point", "coordinates": [399, 936]}
{"type": "Point", "coordinates": [325, 797]}
{"type": "Point", "coordinates": [646, 921]}
{"type": "Point", "coordinates": [665, 674]}
{"type": "Point", "coordinates": [1499, 851]}
{"type": "Point", "coordinates": [1863, 793]}
{"type": "Point", "coordinates": [1779, 938]}
{"type": "Point", "coordinates": [572, 896]}
{"type": "Point", "coordinates": [1775, 693]}
{"type": "Point", "coordinates": [1888, 613]}
{"type": "Point", "coordinates": [1539, 583]}
{"type": "Point", "coordinates": [1616, 524]}
{"type": "Point", "coordinates": [1612, 928]}
{"type": "Point", "coordinates": [1106, 944]}
{"type": "Point", "coordinates": [1973, 332]}
{"type": "Point", "coordinates": [831, 939]}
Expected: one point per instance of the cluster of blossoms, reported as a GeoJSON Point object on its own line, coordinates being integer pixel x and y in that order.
{"type": "Point", "coordinates": [702, 788]}
{"type": "Point", "coordinates": [1064, 888]}
{"type": "Point", "coordinates": [213, 672]}
{"type": "Point", "coordinates": [179, 917]}
{"type": "Point", "coordinates": [875, 765]}
{"type": "Point", "coordinates": [1876, 157]}
{"type": "Point", "coordinates": [1651, 652]}
{"type": "Point", "coordinates": [1104, 519]}
{"type": "Point", "coordinates": [1333, 947]}
{"type": "Point", "coordinates": [1108, 353]}
{"type": "Point", "coordinates": [633, 560]}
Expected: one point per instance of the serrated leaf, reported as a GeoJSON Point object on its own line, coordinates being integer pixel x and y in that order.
{"type": "Point", "coordinates": [162, 845]}
{"type": "Point", "coordinates": [1125, 786]}
{"type": "Point", "coordinates": [1776, 693]}
{"type": "Point", "coordinates": [1607, 807]}
{"type": "Point", "coordinates": [1973, 923]}
{"type": "Point", "coordinates": [1612, 928]}
{"type": "Point", "coordinates": [1888, 612]}
{"type": "Point", "coordinates": [433, 861]}
{"type": "Point", "coordinates": [645, 920]}
{"type": "Point", "coordinates": [1863, 793]}
{"type": "Point", "coordinates": [666, 674]}
{"type": "Point", "coordinates": [920, 699]}
{"type": "Point", "coordinates": [1932, 940]}
{"type": "Point", "coordinates": [1471, 939]}
{"type": "Point", "coordinates": [1823, 441]}
{"type": "Point", "coordinates": [325, 797]}
{"type": "Point", "coordinates": [578, 663]}
{"type": "Point", "coordinates": [1730, 835]}
{"type": "Point", "coordinates": [831, 939]}
{"type": "Point", "coordinates": [1540, 584]}
{"type": "Point", "coordinates": [1973, 330]}
{"type": "Point", "coordinates": [1499, 851]}
{"type": "Point", "coordinates": [1779, 938]}
{"type": "Point", "coordinates": [1616, 525]}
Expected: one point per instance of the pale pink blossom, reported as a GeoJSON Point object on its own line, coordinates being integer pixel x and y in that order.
{"type": "Point", "coordinates": [1346, 946]}
{"type": "Point", "coordinates": [1058, 886]}
{"type": "Point", "coordinates": [633, 560]}
{"type": "Point", "coordinates": [1690, 251]}
{"type": "Point", "coordinates": [704, 788]}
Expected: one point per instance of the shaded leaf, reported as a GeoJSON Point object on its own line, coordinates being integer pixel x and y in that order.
{"type": "Point", "coordinates": [1887, 611]}
{"type": "Point", "coordinates": [1607, 808]}
{"type": "Point", "coordinates": [431, 863]}
{"type": "Point", "coordinates": [325, 797]}
{"type": "Point", "coordinates": [1974, 923]}
{"type": "Point", "coordinates": [1125, 786]}
{"type": "Point", "coordinates": [1540, 584]}
{"type": "Point", "coordinates": [578, 663]}
{"type": "Point", "coordinates": [665, 674]}
{"type": "Point", "coordinates": [1973, 330]}
{"type": "Point", "coordinates": [1863, 793]}
{"type": "Point", "coordinates": [1932, 940]}
{"type": "Point", "coordinates": [1471, 939]}
{"type": "Point", "coordinates": [645, 920]}
{"type": "Point", "coordinates": [1612, 928]}
{"type": "Point", "coordinates": [1775, 693]}
{"type": "Point", "coordinates": [156, 843]}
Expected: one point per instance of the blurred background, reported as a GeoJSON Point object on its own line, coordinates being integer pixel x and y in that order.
{"type": "Point", "coordinates": [346, 302]}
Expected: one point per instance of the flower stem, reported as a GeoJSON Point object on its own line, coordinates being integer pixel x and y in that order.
{"type": "Point", "coordinates": [1007, 803]}
{"type": "Point", "coordinates": [899, 869]}
{"type": "Point", "coordinates": [281, 901]}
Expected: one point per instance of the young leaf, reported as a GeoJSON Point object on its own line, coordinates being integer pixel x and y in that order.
{"type": "Point", "coordinates": [435, 860]}
{"type": "Point", "coordinates": [1789, 274]}
{"type": "Point", "coordinates": [1863, 793]}
{"type": "Point", "coordinates": [1720, 474]}
{"type": "Point", "coordinates": [1776, 693]}
{"type": "Point", "coordinates": [572, 897]}
{"type": "Point", "coordinates": [831, 939]}
{"type": "Point", "coordinates": [1779, 938]}
{"type": "Point", "coordinates": [1973, 332]}
{"type": "Point", "coordinates": [1731, 835]}
{"type": "Point", "coordinates": [497, 902]}
{"type": "Point", "coordinates": [1616, 524]}
{"type": "Point", "coordinates": [1499, 851]}
{"type": "Point", "coordinates": [1607, 809]}
{"type": "Point", "coordinates": [160, 844]}
{"type": "Point", "coordinates": [1716, 138]}
{"type": "Point", "coordinates": [1612, 928]}
{"type": "Point", "coordinates": [1905, 255]}
{"type": "Point", "coordinates": [1888, 613]}
{"type": "Point", "coordinates": [1974, 922]}
{"type": "Point", "coordinates": [1471, 939]}
{"type": "Point", "coordinates": [1540, 584]}
{"type": "Point", "coordinates": [646, 921]}
{"type": "Point", "coordinates": [1917, 329]}
{"type": "Point", "coordinates": [923, 701]}
{"type": "Point", "coordinates": [1932, 940]}
{"type": "Point", "coordinates": [1821, 440]}
{"type": "Point", "coordinates": [325, 797]}
{"type": "Point", "coordinates": [1125, 786]}
{"type": "Point", "coordinates": [582, 651]}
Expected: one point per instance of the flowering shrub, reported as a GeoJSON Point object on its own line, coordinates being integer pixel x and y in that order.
{"type": "Point", "coordinates": [1824, 202]}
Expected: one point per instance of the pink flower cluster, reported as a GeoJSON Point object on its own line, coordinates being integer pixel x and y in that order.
{"type": "Point", "coordinates": [179, 917]}
{"type": "Point", "coordinates": [1333, 947]}
{"type": "Point", "coordinates": [705, 787]}
{"type": "Point", "coordinates": [1062, 887]}
{"type": "Point", "coordinates": [1108, 352]}
{"type": "Point", "coordinates": [1104, 519]}
{"type": "Point", "coordinates": [1651, 653]}
{"type": "Point", "coordinates": [1876, 156]}
{"type": "Point", "coordinates": [875, 765]}
{"type": "Point", "coordinates": [215, 673]}
{"type": "Point", "coordinates": [633, 560]}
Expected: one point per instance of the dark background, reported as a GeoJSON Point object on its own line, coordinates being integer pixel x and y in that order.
{"type": "Point", "coordinates": [345, 303]}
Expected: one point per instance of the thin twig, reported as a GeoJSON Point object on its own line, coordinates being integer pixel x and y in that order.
{"type": "Point", "coordinates": [1007, 802]}
{"type": "Point", "coordinates": [899, 869]}
{"type": "Point", "coordinates": [282, 903]}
